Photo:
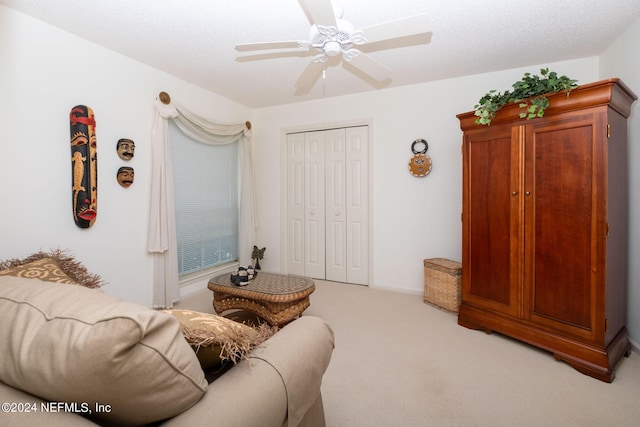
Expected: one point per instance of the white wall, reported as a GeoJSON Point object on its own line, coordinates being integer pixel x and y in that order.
{"type": "Point", "coordinates": [417, 218]}
{"type": "Point", "coordinates": [622, 60]}
{"type": "Point", "coordinates": [413, 218]}
{"type": "Point", "coordinates": [44, 73]}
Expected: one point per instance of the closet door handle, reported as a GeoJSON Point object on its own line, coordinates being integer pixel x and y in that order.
{"type": "Point", "coordinates": [514, 193]}
{"type": "Point", "coordinates": [337, 213]}
{"type": "Point", "coordinates": [312, 212]}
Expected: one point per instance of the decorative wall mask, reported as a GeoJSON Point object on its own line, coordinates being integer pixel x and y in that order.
{"type": "Point", "coordinates": [84, 166]}
{"type": "Point", "coordinates": [420, 163]}
{"type": "Point", "coordinates": [126, 148]}
{"type": "Point", "coordinates": [125, 176]}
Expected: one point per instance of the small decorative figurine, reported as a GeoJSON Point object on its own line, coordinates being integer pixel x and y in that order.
{"type": "Point", "coordinates": [257, 255]}
{"type": "Point", "coordinates": [242, 275]}
{"type": "Point", "coordinates": [84, 166]}
{"type": "Point", "coordinates": [125, 176]}
{"type": "Point", "coordinates": [420, 163]}
{"type": "Point", "coordinates": [126, 148]}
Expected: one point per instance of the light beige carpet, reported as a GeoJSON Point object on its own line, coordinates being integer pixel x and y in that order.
{"type": "Point", "coordinates": [400, 362]}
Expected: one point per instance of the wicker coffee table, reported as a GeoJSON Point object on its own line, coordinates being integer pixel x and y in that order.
{"type": "Point", "coordinates": [276, 298]}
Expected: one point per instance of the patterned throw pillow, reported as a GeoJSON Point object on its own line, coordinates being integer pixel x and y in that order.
{"type": "Point", "coordinates": [55, 266]}
{"type": "Point", "coordinates": [45, 269]}
{"type": "Point", "coordinates": [216, 339]}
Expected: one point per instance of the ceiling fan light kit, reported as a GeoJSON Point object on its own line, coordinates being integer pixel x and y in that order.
{"type": "Point", "coordinates": [332, 41]}
{"type": "Point", "coordinates": [332, 36]}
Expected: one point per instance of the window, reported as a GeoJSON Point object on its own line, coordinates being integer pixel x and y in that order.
{"type": "Point", "coordinates": [206, 201]}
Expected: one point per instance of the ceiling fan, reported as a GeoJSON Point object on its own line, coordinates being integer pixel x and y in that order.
{"type": "Point", "coordinates": [331, 36]}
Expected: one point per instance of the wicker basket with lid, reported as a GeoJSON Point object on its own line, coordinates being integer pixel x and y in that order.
{"type": "Point", "coordinates": [442, 283]}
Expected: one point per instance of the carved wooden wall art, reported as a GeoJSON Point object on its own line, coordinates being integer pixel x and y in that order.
{"type": "Point", "coordinates": [125, 176]}
{"type": "Point", "coordinates": [125, 148]}
{"type": "Point", "coordinates": [84, 166]}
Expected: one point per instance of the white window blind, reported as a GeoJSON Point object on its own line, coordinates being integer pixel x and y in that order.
{"type": "Point", "coordinates": [206, 201]}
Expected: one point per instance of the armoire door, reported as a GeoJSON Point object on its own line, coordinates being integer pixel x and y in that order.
{"type": "Point", "coordinates": [564, 216]}
{"type": "Point", "coordinates": [327, 204]}
{"type": "Point", "coordinates": [492, 246]}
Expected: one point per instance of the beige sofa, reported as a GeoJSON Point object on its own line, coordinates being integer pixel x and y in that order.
{"type": "Point", "coordinates": [73, 356]}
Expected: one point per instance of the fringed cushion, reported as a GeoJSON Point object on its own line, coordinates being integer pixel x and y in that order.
{"type": "Point", "coordinates": [216, 339]}
{"type": "Point", "coordinates": [54, 266]}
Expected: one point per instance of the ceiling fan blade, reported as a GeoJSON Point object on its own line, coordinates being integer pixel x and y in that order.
{"type": "Point", "coordinates": [278, 54]}
{"type": "Point", "coordinates": [417, 24]}
{"type": "Point", "coordinates": [321, 12]}
{"type": "Point", "coordinates": [308, 78]}
{"type": "Point", "coordinates": [268, 45]}
{"type": "Point", "coordinates": [370, 66]}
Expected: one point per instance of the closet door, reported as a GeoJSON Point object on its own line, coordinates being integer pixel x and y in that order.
{"type": "Point", "coordinates": [295, 203]}
{"type": "Point", "coordinates": [336, 212]}
{"type": "Point", "coordinates": [314, 205]}
{"type": "Point", "coordinates": [357, 204]}
{"type": "Point", "coordinates": [328, 204]}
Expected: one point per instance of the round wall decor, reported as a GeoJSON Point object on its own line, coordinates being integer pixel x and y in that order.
{"type": "Point", "coordinates": [420, 163]}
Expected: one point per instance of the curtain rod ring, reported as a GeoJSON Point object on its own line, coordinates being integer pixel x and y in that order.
{"type": "Point", "coordinates": [165, 98]}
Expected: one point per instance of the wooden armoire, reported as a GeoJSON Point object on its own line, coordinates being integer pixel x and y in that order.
{"type": "Point", "coordinates": [545, 226]}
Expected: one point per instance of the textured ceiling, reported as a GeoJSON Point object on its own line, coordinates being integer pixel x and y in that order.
{"type": "Point", "coordinates": [194, 39]}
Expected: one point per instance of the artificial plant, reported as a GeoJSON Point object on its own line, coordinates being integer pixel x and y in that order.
{"type": "Point", "coordinates": [530, 92]}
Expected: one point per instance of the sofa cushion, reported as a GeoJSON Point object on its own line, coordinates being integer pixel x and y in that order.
{"type": "Point", "coordinates": [72, 344]}
{"type": "Point", "coordinates": [216, 339]}
{"type": "Point", "coordinates": [53, 266]}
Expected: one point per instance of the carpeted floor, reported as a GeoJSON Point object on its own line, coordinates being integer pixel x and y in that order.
{"type": "Point", "coordinates": [400, 362]}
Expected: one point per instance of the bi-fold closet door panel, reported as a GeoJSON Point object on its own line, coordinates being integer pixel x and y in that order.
{"type": "Point", "coordinates": [336, 210]}
{"type": "Point", "coordinates": [357, 203]}
{"type": "Point", "coordinates": [314, 205]}
{"type": "Point", "coordinates": [327, 204]}
{"type": "Point", "coordinates": [306, 204]}
{"type": "Point", "coordinates": [295, 203]}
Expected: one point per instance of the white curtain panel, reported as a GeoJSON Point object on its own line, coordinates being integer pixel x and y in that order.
{"type": "Point", "coordinates": [162, 224]}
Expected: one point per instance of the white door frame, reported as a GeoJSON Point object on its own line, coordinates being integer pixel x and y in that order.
{"type": "Point", "coordinates": [283, 184]}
